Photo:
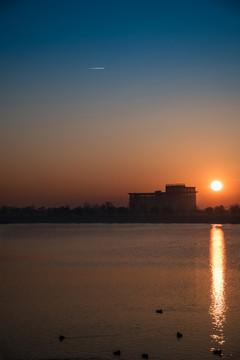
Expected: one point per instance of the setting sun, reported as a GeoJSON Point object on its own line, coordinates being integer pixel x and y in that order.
{"type": "Point", "coordinates": [216, 185]}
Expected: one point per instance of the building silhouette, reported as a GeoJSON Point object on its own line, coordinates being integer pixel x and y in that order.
{"type": "Point", "coordinates": [176, 198]}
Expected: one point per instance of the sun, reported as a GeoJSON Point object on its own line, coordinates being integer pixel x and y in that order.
{"type": "Point", "coordinates": [216, 185]}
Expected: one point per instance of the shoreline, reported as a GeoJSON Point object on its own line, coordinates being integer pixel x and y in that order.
{"type": "Point", "coordinates": [143, 219]}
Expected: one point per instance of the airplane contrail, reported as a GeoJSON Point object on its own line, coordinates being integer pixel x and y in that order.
{"type": "Point", "coordinates": [97, 68]}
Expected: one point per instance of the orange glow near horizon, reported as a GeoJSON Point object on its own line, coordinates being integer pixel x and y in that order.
{"type": "Point", "coordinates": [105, 160]}
{"type": "Point", "coordinates": [218, 302]}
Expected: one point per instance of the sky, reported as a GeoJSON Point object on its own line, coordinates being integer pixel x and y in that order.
{"type": "Point", "coordinates": [100, 98]}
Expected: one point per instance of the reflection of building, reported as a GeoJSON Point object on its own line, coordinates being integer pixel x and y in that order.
{"type": "Point", "coordinates": [177, 197]}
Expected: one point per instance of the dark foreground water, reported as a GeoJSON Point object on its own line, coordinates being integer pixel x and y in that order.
{"type": "Point", "coordinates": [100, 287]}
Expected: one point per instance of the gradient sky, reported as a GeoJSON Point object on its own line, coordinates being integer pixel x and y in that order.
{"type": "Point", "coordinates": [164, 107]}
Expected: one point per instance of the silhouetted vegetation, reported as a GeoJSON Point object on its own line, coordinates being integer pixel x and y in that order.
{"type": "Point", "coordinates": [107, 212]}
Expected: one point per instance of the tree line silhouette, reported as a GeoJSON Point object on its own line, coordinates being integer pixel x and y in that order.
{"type": "Point", "coordinates": [107, 212]}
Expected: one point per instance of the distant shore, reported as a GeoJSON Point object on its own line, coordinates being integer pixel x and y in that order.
{"type": "Point", "coordinates": [122, 219]}
{"type": "Point", "coordinates": [108, 213]}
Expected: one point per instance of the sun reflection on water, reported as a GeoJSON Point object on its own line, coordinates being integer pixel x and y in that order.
{"type": "Point", "coordinates": [218, 302]}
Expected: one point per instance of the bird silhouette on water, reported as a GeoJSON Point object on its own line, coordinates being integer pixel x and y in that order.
{"type": "Point", "coordinates": [179, 335]}
{"type": "Point", "coordinates": [61, 338]}
{"type": "Point", "coordinates": [117, 353]}
{"type": "Point", "coordinates": [217, 352]}
{"type": "Point", "coordinates": [159, 311]}
{"type": "Point", "coordinates": [145, 356]}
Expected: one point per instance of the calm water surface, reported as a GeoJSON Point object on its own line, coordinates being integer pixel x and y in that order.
{"type": "Point", "coordinates": [100, 286]}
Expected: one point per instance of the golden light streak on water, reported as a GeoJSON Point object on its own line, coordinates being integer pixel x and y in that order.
{"type": "Point", "coordinates": [218, 299]}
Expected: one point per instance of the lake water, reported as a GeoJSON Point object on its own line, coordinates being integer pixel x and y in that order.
{"type": "Point", "coordinates": [100, 285]}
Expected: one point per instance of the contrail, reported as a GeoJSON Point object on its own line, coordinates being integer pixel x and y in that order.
{"type": "Point", "coordinates": [97, 68]}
